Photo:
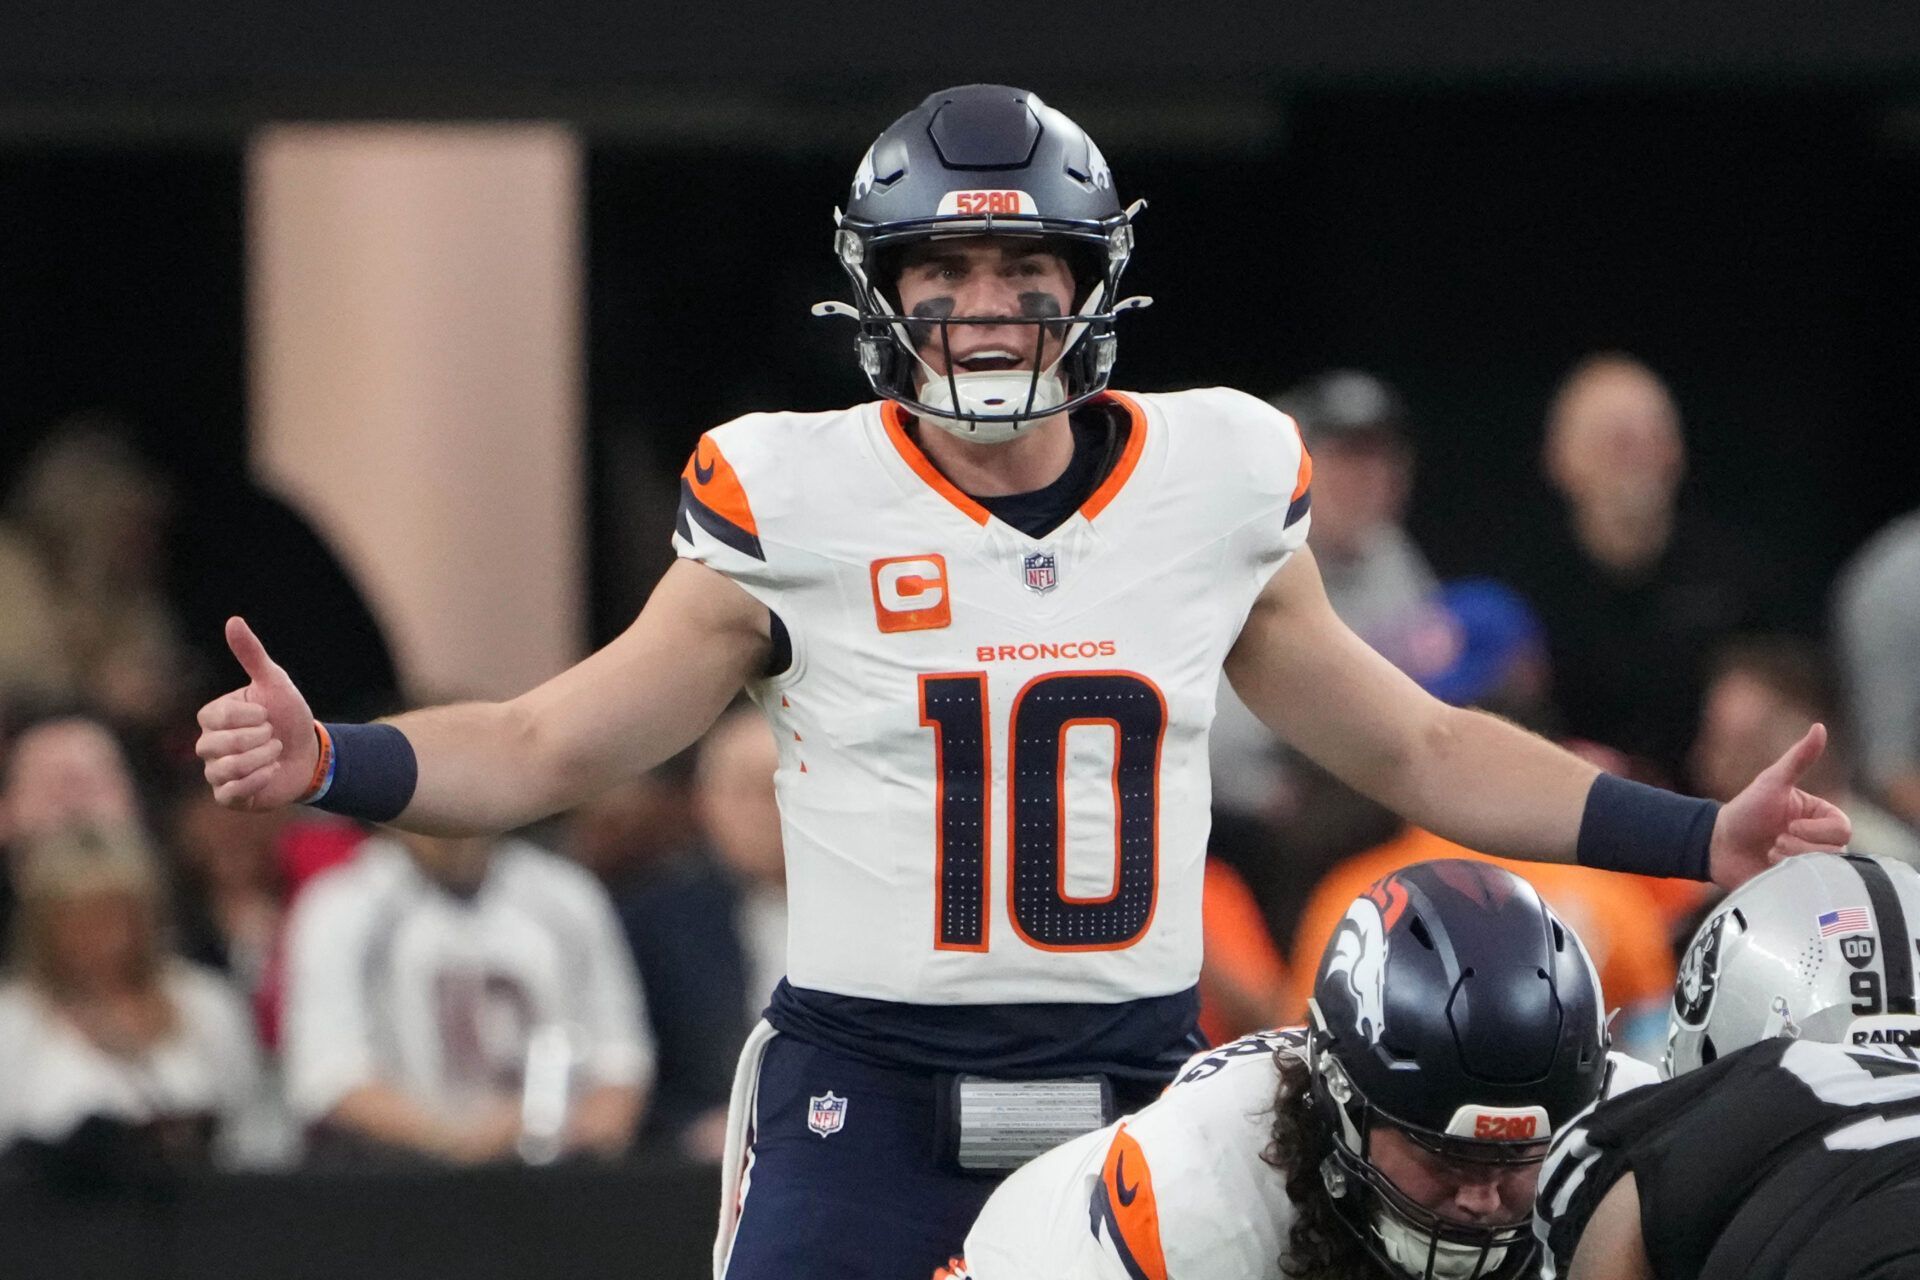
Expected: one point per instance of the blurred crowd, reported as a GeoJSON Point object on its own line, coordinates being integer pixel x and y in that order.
{"type": "Point", "coordinates": [189, 985]}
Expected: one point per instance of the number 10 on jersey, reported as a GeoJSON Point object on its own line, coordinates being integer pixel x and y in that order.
{"type": "Point", "coordinates": [1044, 914]}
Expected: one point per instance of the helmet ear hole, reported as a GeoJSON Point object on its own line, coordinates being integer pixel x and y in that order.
{"type": "Point", "coordinates": [1559, 938]}
{"type": "Point", "coordinates": [1707, 1052]}
{"type": "Point", "coordinates": [1419, 930]}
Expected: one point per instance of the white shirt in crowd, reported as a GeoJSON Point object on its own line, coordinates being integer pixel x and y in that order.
{"type": "Point", "coordinates": [393, 979]}
{"type": "Point", "coordinates": [54, 1077]}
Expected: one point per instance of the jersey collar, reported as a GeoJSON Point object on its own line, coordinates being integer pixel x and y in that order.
{"type": "Point", "coordinates": [894, 419]}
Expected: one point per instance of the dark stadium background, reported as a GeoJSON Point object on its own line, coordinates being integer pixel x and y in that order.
{"type": "Point", "coordinates": [1463, 202]}
{"type": "Point", "coordinates": [1754, 244]}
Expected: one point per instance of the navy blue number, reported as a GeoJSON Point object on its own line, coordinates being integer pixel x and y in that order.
{"type": "Point", "coordinates": [1130, 707]}
{"type": "Point", "coordinates": [955, 708]}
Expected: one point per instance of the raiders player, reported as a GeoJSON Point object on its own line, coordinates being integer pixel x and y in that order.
{"type": "Point", "coordinates": [1455, 1025]}
{"type": "Point", "coordinates": [1787, 1141]}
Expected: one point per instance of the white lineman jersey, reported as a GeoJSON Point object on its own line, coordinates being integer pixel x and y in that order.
{"type": "Point", "coordinates": [1179, 1190]}
{"type": "Point", "coordinates": [993, 776]}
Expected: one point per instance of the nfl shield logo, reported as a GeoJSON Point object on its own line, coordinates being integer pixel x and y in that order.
{"type": "Point", "coordinates": [1040, 572]}
{"type": "Point", "coordinates": [826, 1113]}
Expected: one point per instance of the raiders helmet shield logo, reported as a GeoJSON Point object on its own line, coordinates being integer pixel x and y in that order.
{"type": "Point", "coordinates": [1693, 991]}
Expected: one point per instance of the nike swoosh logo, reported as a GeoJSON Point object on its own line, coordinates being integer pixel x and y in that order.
{"type": "Point", "coordinates": [702, 473]}
{"type": "Point", "coordinates": [1127, 1193]}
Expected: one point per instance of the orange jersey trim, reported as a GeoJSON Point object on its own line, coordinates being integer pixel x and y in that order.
{"type": "Point", "coordinates": [894, 418]}
{"type": "Point", "coordinates": [714, 483]}
{"type": "Point", "coordinates": [1304, 479]}
{"type": "Point", "coordinates": [1128, 1207]}
{"type": "Point", "coordinates": [1129, 457]}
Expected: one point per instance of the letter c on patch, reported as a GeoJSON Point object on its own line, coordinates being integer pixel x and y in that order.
{"type": "Point", "coordinates": [907, 585]}
{"type": "Point", "coordinates": [910, 593]}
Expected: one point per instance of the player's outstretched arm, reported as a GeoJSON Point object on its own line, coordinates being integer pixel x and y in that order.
{"type": "Point", "coordinates": [492, 766]}
{"type": "Point", "coordinates": [1471, 777]}
{"type": "Point", "coordinates": [1488, 784]}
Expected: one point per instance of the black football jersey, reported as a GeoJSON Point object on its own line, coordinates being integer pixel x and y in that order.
{"type": "Point", "coordinates": [1763, 1164]}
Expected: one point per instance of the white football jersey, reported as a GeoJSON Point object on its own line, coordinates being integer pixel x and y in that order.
{"type": "Point", "coordinates": [993, 777]}
{"type": "Point", "coordinates": [1180, 1190]}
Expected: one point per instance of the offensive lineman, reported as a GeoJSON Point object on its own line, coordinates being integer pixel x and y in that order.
{"type": "Point", "coordinates": [1785, 1144]}
{"type": "Point", "coordinates": [987, 616]}
{"type": "Point", "coordinates": [1456, 1025]}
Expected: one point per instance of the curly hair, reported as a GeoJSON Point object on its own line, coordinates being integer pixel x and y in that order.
{"type": "Point", "coordinates": [1320, 1244]}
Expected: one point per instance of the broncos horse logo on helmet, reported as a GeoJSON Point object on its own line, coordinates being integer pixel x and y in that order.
{"type": "Point", "coordinates": [1456, 1009]}
{"type": "Point", "coordinates": [1358, 954]}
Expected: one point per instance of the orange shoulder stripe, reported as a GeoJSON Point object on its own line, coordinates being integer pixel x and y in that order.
{"type": "Point", "coordinates": [713, 481]}
{"type": "Point", "coordinates": [1129, 1209]}
{"type": "Point", "coordinates": [1305, 476]}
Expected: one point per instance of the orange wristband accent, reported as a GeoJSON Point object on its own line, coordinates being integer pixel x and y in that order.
{"type": "Point", "coordinates": [321, 766]}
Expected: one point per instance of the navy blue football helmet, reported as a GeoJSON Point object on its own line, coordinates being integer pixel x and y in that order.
{"type": "Point", "coordinates": [1454, 1006]}
{"type": "Point", "coordinates": [984, 160]}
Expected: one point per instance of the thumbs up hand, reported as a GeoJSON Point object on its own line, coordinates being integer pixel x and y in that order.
{"type": "Point", "coordinates": [258, 741]}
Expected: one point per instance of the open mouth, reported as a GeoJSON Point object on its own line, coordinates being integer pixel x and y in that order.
{"type": "Point", "coordinates": [987, 362]}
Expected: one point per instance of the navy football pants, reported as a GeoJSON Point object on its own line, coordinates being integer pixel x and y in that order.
{"type": "Point", "coordinates": [870, 1200]}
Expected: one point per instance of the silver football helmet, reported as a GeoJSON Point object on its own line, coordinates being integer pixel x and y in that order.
{"type": "Point", "coordinates": [1820, 947]}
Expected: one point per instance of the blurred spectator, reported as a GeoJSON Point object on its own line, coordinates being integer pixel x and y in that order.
{"type": "Point", "coordinates": [60, 771]}
{"type": "Point", "coordinates": [34, 664]}
{"type": "Point", "coordinates": [1877, 626]}
{"type": "Point", "coordinates": [232, 889]}
{"type": "Point", "coordinates": [1763, 694]}
{"type": "Point", "coordinates": [1481, 646]}
{"type": "Point", "coordinates": [709, 929]}
{"type": "Point", "coordinates": [96, 516]}
{"type": "Point", "coordinates": [630, 830]}
{"type": "Point", "coordinates": [1634, 591]}
{"type": "Point", "coordinates": [1477, 643]}
{"type": "Point", "coordinates": [465, 999]}
{"type": "Point", "coordinates": [109, 1044]}
{"type": "Point", "coordinates": [1356, 428]}
{"type": "Point", "coordinates": [141, 576]}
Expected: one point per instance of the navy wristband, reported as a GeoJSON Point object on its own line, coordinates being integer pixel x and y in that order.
{"type": "Point", "coordinates": [1629, 826]}
{"type": "Point", "coordinates": [374, 772]}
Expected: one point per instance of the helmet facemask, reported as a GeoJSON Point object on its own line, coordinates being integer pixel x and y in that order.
{"type": "Point", "coordinates": [1400, 1233]}
{"type": "Point", "coordinates": [986, 406]}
